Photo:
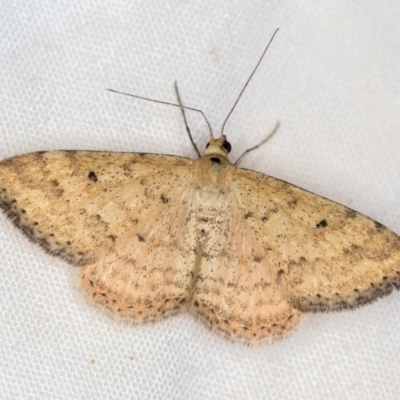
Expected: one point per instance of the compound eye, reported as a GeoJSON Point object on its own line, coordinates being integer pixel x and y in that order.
{"type": "Point", "coordinates": [227, 146]}
{"type": "Point", "coordinates": [207, 145]}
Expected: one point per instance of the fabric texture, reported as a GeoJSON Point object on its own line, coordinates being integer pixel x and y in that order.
{"type": "Point", "coordinates": [331, 78]}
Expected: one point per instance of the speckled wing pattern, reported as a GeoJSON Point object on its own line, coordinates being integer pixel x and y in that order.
{"type": "Point", "coordinates": [326, 257]}
{"type": "Point", "coordinates": [110, 214]}
{"type": "Point", "coordinates": [155, 235]}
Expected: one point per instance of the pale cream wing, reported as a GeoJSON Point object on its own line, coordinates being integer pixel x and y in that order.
{"type": "Point", "coordinates": [148, 273]}
{"type": "Point", "coordinates": [324, 256]}
{"type": "Point", "coordinates": [117, 215]}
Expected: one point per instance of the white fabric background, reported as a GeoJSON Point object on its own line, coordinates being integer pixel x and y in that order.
{"type": "Point", "coordinates": [331, 77]}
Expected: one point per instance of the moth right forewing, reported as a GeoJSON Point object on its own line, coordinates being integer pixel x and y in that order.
{"type": "Point", "coordinates": [324, 255]}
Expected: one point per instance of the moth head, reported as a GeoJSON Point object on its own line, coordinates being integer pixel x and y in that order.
{"type": "Point", "coordinates": [218, 146]}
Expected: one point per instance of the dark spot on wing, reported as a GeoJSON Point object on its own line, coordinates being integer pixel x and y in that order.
{"type": "Point", "coordinates": [322, 224]}
{"type": "Point", "coordinates": [164, 199]}
{"type": "Point", "coordinates": [141, 238]}
{"type": "Point", "coordinates": [92, 176]}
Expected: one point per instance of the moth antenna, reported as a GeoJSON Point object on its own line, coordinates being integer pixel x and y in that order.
{"type": "Point", "coordinates": [248, 81]}
{"type": "Point", "coordinates": [168, 104]}
{"type": "Point", "coordinates": [272, 133]}
{"type": "Point", "coordinates": [185, 120]}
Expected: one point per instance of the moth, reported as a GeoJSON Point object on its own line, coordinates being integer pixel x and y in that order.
{"type": "Point", "coordinates": [156, 235]}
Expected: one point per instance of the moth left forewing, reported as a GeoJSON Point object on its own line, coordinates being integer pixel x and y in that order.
{"type": "Point", "coordinates": [75, 204]}
{"type": "Point", "coordinates": [324, 256]}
